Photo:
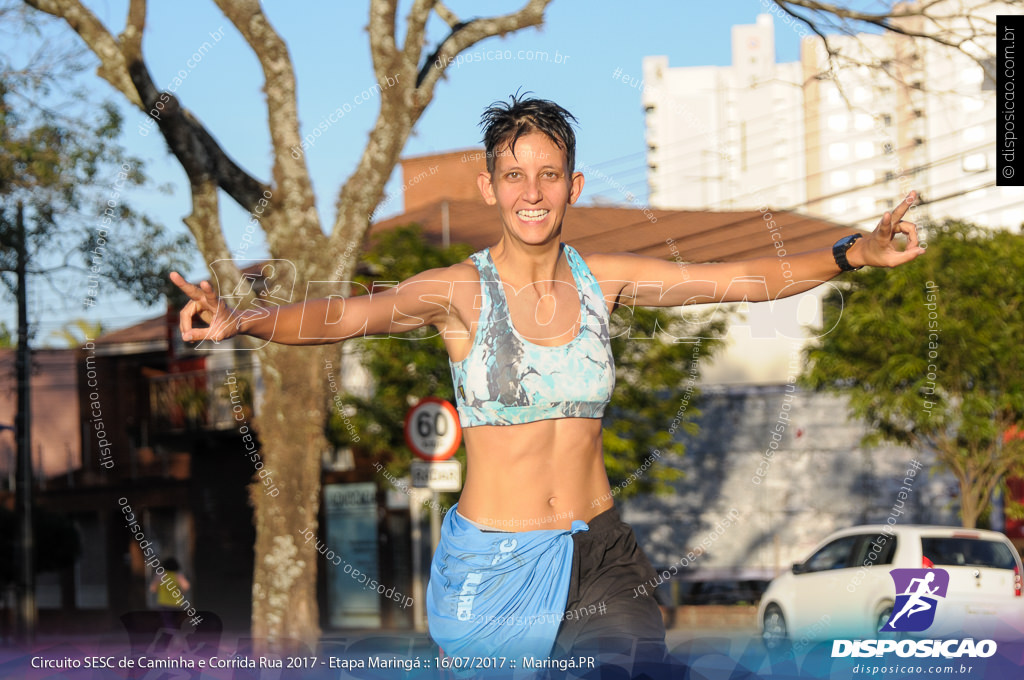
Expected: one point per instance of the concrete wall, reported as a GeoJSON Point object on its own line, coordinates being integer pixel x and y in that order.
{"type": "Point", "coordinates": [818, 479]}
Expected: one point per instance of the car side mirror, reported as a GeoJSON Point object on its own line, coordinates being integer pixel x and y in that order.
{"type": "Point", "coordinates": [799, 568]}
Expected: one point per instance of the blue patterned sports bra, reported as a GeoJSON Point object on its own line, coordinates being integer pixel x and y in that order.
{"type": "Point", "coordinates": [506, 379]}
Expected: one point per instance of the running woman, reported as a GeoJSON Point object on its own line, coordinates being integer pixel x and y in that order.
{"type": "Point", "coordinates": [525, 324]}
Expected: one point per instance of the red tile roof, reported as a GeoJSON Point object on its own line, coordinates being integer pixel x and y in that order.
{"type": "Point", "coordinates": [146, 331]}
{"type": "Point", "coordinates": [699, 236]}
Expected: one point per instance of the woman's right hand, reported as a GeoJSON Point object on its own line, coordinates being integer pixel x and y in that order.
{"type": "Point", "coordinates": [203, 302]}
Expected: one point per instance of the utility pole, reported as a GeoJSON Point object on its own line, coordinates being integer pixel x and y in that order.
{"type": "Point", "coordinates": [25, 545]}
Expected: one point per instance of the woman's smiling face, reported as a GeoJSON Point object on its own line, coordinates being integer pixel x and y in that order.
{"type": "Point", "coordinates": [532, 188]}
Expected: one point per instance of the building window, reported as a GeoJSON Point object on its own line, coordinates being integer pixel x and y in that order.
{"type": "Point", "coordinates": [840, 179]}
{"type": "Point", "coordinates": [887, 147]}
{"type": "Point", "coordinates": [863, 121]}
{"type": "Point", "coordinates": [837, 122]}
{"type": "Point", "coordinates": [971, 104]}
{"type": "Point", "coordinates": [838, 151]}
{"type": "Point", "coordinates": [886, 119]}
{"type": "Point", "coordinates": [890, 176]}
{"type": "Point", "coordinates": [971, 75]}
{"type": "Point", "coordinates": [865, 177]}
{"type": "Point", "coordinates": [864, 149]}
{"type": "Point", "coordinates": [975, 162]}
{"type": "Point", "coordinates": [974, 134]}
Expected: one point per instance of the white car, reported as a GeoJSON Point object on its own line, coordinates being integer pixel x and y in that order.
{"type": "Point", "coordinates": [844, 590]}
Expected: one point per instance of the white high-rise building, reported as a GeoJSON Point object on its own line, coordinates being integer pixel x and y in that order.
{"type": "Point", "coordinates": [717, 135]}
{"type": "Point", "coordinates": [959, 131]}
{"type": "Point", "coordinates": [860, 137]}
{"type": "Point", "coordinates": [837, 139]}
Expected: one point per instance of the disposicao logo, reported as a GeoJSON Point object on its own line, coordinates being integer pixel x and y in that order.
{"type": "Point", "coordinates": [918, 592]}
{"type": "Point", "coordinates": [917, 599]}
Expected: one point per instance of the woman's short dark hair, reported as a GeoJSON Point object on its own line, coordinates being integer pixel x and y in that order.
{"type": "Point", "coordinates": [504, 123]}
{"type": "Point", "coordinates": [171, 564]}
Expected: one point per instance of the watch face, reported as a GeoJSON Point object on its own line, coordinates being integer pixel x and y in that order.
{"type": "Point", "coordinates": [847, 241]}
{"type": "Point", "coordinates": [839, 251]}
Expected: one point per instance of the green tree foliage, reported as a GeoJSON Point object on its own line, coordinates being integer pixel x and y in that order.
{"type": "Point", "coordinates": [930, 355]}
{"type": "Point", "coordinates": [653, 373]}
{"type": "Point", "coordinates": [71, 175]}
{"type": "Point", "coordinates": [405, 368]}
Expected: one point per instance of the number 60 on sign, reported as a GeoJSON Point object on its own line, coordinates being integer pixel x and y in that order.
{"type": "Point", "coordinates": [432, 429]}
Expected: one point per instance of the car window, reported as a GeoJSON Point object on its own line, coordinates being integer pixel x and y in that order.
{"type": "Point", "coordinates": [967, 552]}
{"type": "Point", "coordinates": [874, 549]}
{"type": "Point", "coordinates": [834, 555]}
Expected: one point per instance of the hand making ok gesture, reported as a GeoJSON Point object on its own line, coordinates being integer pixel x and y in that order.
{"type": "Point", "coordinates": [879, 248]}
{"type": "Point", "coordinates": [207, 305]}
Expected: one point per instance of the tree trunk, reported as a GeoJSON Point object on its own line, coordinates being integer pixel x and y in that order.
{"type": "Point", "coordinates": [291, 427]}
{"type": "Point", "coordinates": [968, 510]}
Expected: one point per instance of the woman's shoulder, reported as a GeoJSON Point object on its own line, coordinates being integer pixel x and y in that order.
{"type": "Point", "coordinates": [460, 272]}
{"type": "Point", "coordinates": [610, 265]}
{"type": "Point", "coordinates": [467, 270]}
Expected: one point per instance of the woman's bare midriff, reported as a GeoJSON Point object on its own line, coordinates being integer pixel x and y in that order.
{"type": "Point", "coordinates": [540, 475]}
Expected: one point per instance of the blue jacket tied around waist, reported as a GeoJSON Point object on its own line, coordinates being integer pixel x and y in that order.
{"type": "Point", "coordinates": [498, 593]}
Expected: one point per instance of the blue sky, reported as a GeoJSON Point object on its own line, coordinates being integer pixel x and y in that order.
{"type": "Point", "coordinates": [329, 48]}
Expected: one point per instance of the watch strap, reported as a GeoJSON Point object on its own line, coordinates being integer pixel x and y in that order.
{"type": "Point", "coordinates": [839, 252]}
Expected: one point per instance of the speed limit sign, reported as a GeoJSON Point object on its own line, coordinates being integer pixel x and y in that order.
{"type": "Point", "coordinates": [432, 429]}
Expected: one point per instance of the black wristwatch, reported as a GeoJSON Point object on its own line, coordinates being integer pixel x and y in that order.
{"type": "Point", "coordinates": [839, 251]}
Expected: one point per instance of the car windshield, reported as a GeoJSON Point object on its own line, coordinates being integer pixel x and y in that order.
{"type": "Point", "coordinates": [968, 552]}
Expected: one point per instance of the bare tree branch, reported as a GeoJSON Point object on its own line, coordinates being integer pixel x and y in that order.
{"type": "Point", "coordinates": [465, 35]}
{"type": "Point", "coordinates": [448, 15]}
{"type": "Point", "coordinates": [898, 20]}
{"type": "Point", "coordinates": [415, 27]}
{"type": "Point", "coordinates": [402, 105]}
{"type": "Point", "coordinates": [382, 36]}
{"type": "Point", "coordinates": [122, 65]}
{"type": "Point", "coordinates": [291, 175]}
{"type": "Point", "coordinates": [204, 223]}
{"type": "Point", "coordinates": [112, 68]}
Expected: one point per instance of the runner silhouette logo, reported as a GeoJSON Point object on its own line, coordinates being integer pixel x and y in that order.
{"type": "Point", "coordinates": [917, 597]}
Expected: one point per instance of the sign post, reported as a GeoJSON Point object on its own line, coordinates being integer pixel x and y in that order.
{"type": "Point", "coordinates": [433, 434]}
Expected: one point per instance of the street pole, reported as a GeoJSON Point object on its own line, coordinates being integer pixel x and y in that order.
{"type": "Point", "coordinates": [25, 545]}
{"type": "Point", "coordinates": [419, 613]}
